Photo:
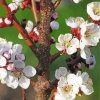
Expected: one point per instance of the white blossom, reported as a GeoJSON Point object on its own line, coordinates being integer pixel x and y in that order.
{"type": "Point", "coordinates": [20, 75]}
{"type": "Point", "coordinates": [66, 89]}
{"type": "Point", "coordinates": [93, 10]}
{"type": "Point", "coordinates": [74, 22]}
{"type": "Point", "coordinates": [71, 85]}
{"type": "Point", "coordinates": [90, 35]}
{"type": "Point", "coordinates": [67, 43]}
{"type": "Point", "coordinates": [12, 66]}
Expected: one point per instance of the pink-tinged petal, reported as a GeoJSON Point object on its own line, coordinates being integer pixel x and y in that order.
{"type": "Point", "coordinates": [24, 82]}
{"type": "Point", "coordinates": [59, 46]}
{"type": "Point", "coordinates": [7, 21]}
{"type": "Point", "coordinates": [7, 55]}
{"type": "Point", "coordinates": [13, 6]}
{"type": "Point", "coordinates": [3, 61]}
{"type": "Point", "coordinates": [10, 67]}
{"type": "Point", "coordinates": [29, 71]}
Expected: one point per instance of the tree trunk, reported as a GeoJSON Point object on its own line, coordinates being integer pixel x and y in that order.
{"type": "Point", "coordinates": [43, 54]}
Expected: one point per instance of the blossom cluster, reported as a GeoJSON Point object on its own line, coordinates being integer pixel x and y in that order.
{"type": "Point", "coordinates": [83, 35]}
{"type": "Point", "coordinates": [71, 85]}
{"type": "Point", "coordinates": [13, 71]}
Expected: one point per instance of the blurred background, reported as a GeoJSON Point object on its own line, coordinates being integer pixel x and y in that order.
{"type": "Point", "coordinates": [66, 9]}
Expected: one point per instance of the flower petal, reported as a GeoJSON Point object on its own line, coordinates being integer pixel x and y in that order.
{"type": "Point", "coordinates": [2, 61]}
{"type": "Point", "coordinates": [61, 38]}
{"type": "Point", "coordinates": [59, 46]}
{"type": "Point", "coordinates": [67, 37]}
{"type": "Point", "coordinates": [3, 73]}
{"type": "Point", "coordinates": [85, 76]}
{"type": "Point", "coordinates": [24, 82]}
{"type": "Point", "coordinates": [75, 42]}
{"type": "Point", "coordinates": [85, 53]}
{"type": "Point", "coordinates": [62, 71]}
{"type": "Point", "coordinates": [17, 48]}
{"type": "Point", "coordinates": [71, 50]}
{"type": "Point", "coordinates": [59, 97]}
{"type": "Point", "coordinates": [20, 57]}
{"type": "Point", "coordinates": [19, 64]}
{"type": "Point", "coordinates": [87, 89]}
{"type": "Point", "coordinates": [29, 71]}
{"type": "Point", "coordinates": [12, 81]}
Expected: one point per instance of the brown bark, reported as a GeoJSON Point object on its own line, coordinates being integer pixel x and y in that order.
{"type": "Point", "coordinates": [42, 83]}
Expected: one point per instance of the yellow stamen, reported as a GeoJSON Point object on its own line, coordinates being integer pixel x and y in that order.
{"type": "Point", "coordinates": [96, 10]}
{"type": "Point", "coordinates": [67, 88]}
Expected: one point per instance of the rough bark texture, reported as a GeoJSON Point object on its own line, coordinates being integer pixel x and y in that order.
{"type": "Point", "coordinates": [43, 54]}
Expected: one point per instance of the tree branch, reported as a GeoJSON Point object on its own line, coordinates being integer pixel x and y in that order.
{"type": "Point", "coordinates": [75, 61]}
{"type": "Point", "coordinates": [57, 3]}
{"type": "Point", "coordinates": [34, 9]}
{"type": "Point", "coordinates": [55, 56]}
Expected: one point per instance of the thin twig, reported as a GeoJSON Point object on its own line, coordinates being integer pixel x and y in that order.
{"type": "Point", "coordinates": [55, 56]}
{"type": "Point", "coordinates": [23, 94]}
{"type": "Point", "coordinates": [34, 9]}
{"type": "Point", "coordinates": [74, 61]}
{"type": "Point", "coordinates": [57, 3]}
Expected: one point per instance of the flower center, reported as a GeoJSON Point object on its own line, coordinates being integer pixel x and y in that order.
{"type": "Point", "coordinates": [67, 44]}
{"type": "Point", "coordinates": [88, 33]}
{"type": "Point", "coordinates": [17, 74]}
{"type": "Point", "coordinates": [67, 88]}
{"type": "Point", "coordinates": [96, 10]}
